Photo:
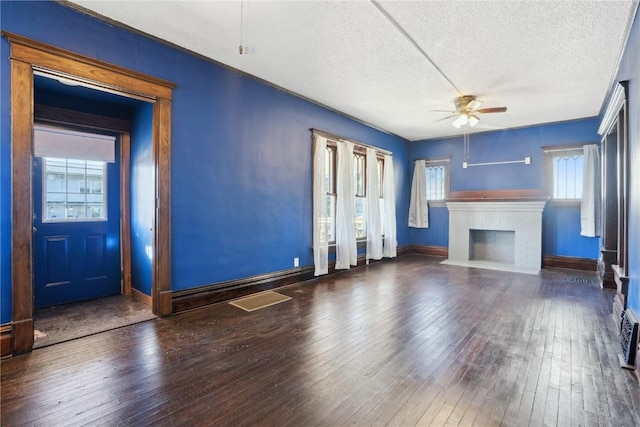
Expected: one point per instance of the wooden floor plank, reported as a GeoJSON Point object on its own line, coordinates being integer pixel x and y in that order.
{"type": "Point", "coordinates": [407, 342]}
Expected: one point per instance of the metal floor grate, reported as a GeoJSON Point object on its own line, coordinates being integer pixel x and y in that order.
{"type": "Point", "coordinates": [259, 300]}
{"type": "Point", "coordinates": [628, 336]}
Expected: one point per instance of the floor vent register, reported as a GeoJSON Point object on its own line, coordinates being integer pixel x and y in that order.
{"type": "Point", "coordinates": [628, 339]}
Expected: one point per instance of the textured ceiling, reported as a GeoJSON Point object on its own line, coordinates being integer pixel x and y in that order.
{"type": "Point", "coordinates": [382, 62]}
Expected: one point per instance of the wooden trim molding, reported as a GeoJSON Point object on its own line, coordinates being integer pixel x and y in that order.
{"type": "Point", "coordinates": [46, 113]}
{"type": "Point", "coordinates": [619, 304]}
{"type": "Point", "coordinates": [440, 251]}
{"type": "Point", "coordinates": [403, 250]}
{"type": "Point", "coordinates": [125, 211]}
{"type": "Point", "coordinates": [79, 67]}
{"type": "Point", "coordinates": [223, 291]}
{"type": "Point", "coordinates": [193, 298]}
{"type": "Point", "coordinates": [497, 195]}
{"type": "Point", "coordinates": [22, 205]}
{"type": "Point", "coordinates": [605, 271]}
{"type": "Point", "coordinates": [141, 296]}
{"type": "Point", "coordinates": [5, 340]}
{"type": "Point", "coordinates": [161, 271]}
{"type": "Point", "coordinates": [334, 137]}
{"type": "Point", "coordinates": [28, 56]}
{"type": "Point", "coordinates": [572, 263]}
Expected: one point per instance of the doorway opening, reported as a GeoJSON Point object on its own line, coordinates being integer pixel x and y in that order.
{"type": "Point", "coordinates": [82, 194]}
{"type": "Point", "coordinates": [30, 57]}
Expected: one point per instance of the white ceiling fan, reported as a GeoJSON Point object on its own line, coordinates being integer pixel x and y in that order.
{"type": "Point", "coordinates": [467, 108]}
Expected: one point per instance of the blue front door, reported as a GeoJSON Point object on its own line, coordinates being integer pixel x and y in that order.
{"type": "Point", "coordinates": [76, 237]}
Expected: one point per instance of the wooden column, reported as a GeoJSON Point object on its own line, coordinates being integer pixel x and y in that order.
{"type": "Point", "coordinates": [615, 237]}
{"type": "Point", "coordinates": [21, 206]}
{"type": "Point", "coordinates": [609, 239]}
{"type": "Point", "coordinates": [162, 244]}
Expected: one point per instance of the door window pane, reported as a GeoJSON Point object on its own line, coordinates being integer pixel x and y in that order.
{"type": "Point", "coordinates": [74, 190]}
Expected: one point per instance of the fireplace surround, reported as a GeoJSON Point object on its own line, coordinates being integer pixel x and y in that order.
{"type": "Point", "coordinates": [501, 232]}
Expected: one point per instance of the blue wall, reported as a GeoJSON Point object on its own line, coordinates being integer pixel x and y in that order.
{"type": "Point", "coordinates": [561, 226]}
{"type": "Point", "coordinates": [142, 199]}
{"type": "Point", "coordinates": [241, 152]}
{"type": "Point", "coordinates": [630, 70]}
{"type": "Point", "coordinates": [241, 158]}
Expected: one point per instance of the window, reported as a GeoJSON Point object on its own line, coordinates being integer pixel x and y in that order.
{"type": "Point", "coordinates": [381, 192]}
{"type": "Point", "coordinates": [360, 183]}
{"type": "Point", "coordinates": [567, 177]}
{"type": "Point", "coordinates": [437, 179]}
{"type": "Point", "coordinates": [359, 177]}
{"type": "Point", "coordinates": [74, 172]}
{"type": "Point", "coordinates": [73, 190]}
{"type": "Point", "coordinates": [563, 172]}
{"type": "Point", "coordinates": [357, 182]}
{"type": "Point", "coordinates": [381, 176]}
{"type": "Point", "coordinates": [329, 226]}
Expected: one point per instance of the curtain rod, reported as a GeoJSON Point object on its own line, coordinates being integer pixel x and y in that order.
{"type": "Point", "coordinates": [560, 150]}
{"type": "Point", "coordinates": [434, 159]}
{"type": "Point", "coordinates": [340, 138]}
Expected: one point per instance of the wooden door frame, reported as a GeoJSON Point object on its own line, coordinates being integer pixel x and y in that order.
{"type": "Point", "coordinates": [26, 56]}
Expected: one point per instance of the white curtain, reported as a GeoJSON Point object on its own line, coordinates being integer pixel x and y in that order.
{"type": "Point", "coordinates": [389, 207]}
{"type": "Point", "coordinates": [418, 209]}
{"type": "Point", "coordinates": [590, 212]}
{"type": "Point", "coordinates": [346, 245]}
{"type": "Point", "coordinates": [374, 224]}
{"type": "Point", "coordinates": [320, 241]}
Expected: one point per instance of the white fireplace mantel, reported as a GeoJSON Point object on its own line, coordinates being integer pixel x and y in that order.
{"type": "Point", "coordinates": [521, 219]}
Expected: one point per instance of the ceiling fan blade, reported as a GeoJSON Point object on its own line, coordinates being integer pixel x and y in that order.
{"type": "Point", "coordinates": [443, 111]}
{"type": "Point", "coordinates": [474, 104]}
{"type": "Point", "coordinates": [445, 118]}
{"type": "Point", "coordinates": [492, 110]}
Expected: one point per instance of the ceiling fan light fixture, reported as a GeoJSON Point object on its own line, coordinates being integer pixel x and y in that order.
{"type": "Point", "coordinates": [461, 120]}
{"type": "Point", "coordinates": [467, 111]}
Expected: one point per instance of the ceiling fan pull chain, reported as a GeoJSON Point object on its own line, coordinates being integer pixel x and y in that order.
{"type": "Point", "coordinates": [241, 48]}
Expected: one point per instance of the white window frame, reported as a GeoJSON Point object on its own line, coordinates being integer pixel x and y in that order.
{"type": "Point", "coordinates": [66, 192]}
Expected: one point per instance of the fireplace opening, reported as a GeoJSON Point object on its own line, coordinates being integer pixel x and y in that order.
{"type": "Point", "coordinates": [492, 246]}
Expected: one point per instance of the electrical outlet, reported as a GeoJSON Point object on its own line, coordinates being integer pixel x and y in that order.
{"type": "Point", "coordinates": [296, 262]}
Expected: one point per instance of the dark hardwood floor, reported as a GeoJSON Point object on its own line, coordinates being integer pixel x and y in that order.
{"type": "Point", "coordinates": [408, 342]}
